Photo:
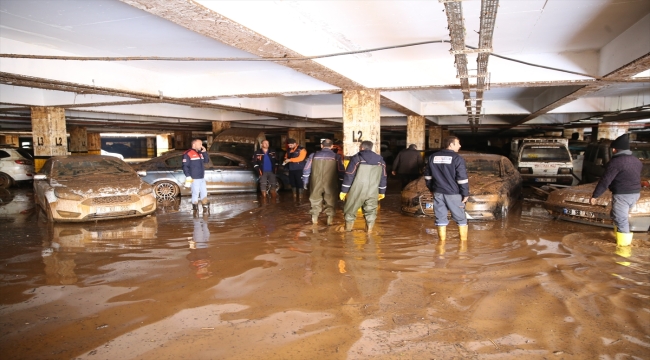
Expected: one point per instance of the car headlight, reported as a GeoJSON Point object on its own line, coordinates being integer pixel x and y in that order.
{"type": "Point", "coordinates": [64, 194]}
{"type": "Point", "coordinates": [145, 191]}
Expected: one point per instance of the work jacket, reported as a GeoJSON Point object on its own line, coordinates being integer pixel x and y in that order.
{"type": "Point", "coordinates": [408, 162]}
{"type": "Point", "coordinates": [297, 158]}
{"type": "Point", "coordinates": [446, 173]}
{"type": "Point", "coordinates": [258, 160]}
{"type": "Point", "coordinates": [327, 169]}
{"type": "Point", "coordinates": [365, 158]}
{"type": "Point", "coordinates": [622, 175]}
{"type": "Point", "coordinates": [193, 163]}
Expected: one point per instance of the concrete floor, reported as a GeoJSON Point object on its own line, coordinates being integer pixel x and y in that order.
{"type": "Point", "coordinates": [257, 280]}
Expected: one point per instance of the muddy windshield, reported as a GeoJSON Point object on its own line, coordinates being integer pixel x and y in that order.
{"type": "Point", "coordinates": [483, 167]}
{"type": "Point", "coordinates": [90, 167]}
{"type": "Point", "coordinates": [545, 153]}
{"type": "Point", "coordinates": [641, 154]}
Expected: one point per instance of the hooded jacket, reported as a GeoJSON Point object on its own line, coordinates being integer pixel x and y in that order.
{"type": "Point", "coordinates": [364, 157]}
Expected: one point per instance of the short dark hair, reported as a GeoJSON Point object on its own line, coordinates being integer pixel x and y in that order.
{"type": "Point", "coordinates": [448, 141]}
{"type": "Point", "coordinates": [291, 141]}
{"type": "Point", "coordinates": [197, 139]}
{"type": "Point", "coordinates": [326, 143]}
{"type": "Point", "coordinates": [366, 145]}
{"type": "Point", "coordinates": [413, 146]}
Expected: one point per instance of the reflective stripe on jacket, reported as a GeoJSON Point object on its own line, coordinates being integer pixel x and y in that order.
{"type": "Point", "coordinates": [364, 157]}
{"type": "Point", "coordinates": [258, 160]}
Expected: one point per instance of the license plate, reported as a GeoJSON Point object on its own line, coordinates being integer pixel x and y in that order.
{"type": "Point", "coordinates": [111, 209]}
{"type": "Point", "coordinates": [580, 213]}
{"type": "Point", "coordinates": [428, 205]}
{"type": "Point", "coordinates": [545, 180]}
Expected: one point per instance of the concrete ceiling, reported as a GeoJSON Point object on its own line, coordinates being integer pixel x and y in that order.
{"type": "Point", "coordinates": [593, 57]}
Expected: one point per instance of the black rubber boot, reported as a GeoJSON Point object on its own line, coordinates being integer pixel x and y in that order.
{"type": "Point", "coordinates": [206, 206]}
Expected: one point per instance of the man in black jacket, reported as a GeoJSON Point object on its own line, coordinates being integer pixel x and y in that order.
{"type": "Point", "coordinates": [623, 177]}
{"type": "Point", "coordinates": [364, 184]}
{"type": "Point", "coordinates": [408, 164]}
{"type": "Point", "coordinates": [266, 164]}
{"type": "Point", "coordinates": [446, 177]}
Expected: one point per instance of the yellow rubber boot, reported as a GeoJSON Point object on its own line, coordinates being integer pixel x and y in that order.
{"type": "Point", "coordinates": [442, 233]}
{"type": "Point", "coordinates": [624, 239]}
{"type": "Point", "coordinates": [462, 231]}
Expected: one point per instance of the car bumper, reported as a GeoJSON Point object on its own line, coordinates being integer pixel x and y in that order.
{"type": "Point", "coordinates": [638, 222]}
{"type": "Point", "coordinates": [486, 210]}
{"type": "Point", "coordinates": [74, 211]}
{"type": "Point", "coordinates": [547, 179]}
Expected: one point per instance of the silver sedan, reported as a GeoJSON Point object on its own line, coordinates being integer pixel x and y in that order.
{"type": "Point", "coordinates": [225, 173]}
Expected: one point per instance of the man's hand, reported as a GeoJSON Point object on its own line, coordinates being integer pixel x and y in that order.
{"type": "Point", "coordinates": [342, 196]}
{"type": "Point", "coordinates": [188, 182]}
{"type": "Point", "coordinates": [465, 199]}
{"type": "Point", "coordinates": [592, 201]}
{"type": "Point", "coordinates": [305, 186]}
{"type": "Point", "coordinates": [381, 196]}
{"type": "Point", "coordinates": [285, 162]}
{"type": "Point", "coordinates": [202, 149]}
{"type": "Point", "coordinates": [393, 173]}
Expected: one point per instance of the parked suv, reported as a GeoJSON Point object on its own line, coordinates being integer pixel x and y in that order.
{"type": "Point", "coordinates": [544, 160]}
{"type": "Point", "coordinates": [597, 155]}
{"type": "Point", "coordinates": [15, 165]}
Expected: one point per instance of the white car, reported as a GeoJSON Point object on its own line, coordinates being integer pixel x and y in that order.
{"type": "Point", "coordinates": [106, 153]}
{"type": "Point", "coordinates": [15, 165]}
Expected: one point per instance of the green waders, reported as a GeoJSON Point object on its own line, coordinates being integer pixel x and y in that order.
{"type": "Point", "coordinates": [363, 194]}
{"type": "Point", "coordinates": [323, 187]}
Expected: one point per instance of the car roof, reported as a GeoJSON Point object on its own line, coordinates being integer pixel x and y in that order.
{"type": "Point", "coordinates": [173, 153]}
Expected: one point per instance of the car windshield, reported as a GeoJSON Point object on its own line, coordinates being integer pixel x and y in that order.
{"type": "Point", "coordinates": [545, 153]}
{"type": "Point", "coordinates": [483, 166]}
{"type": "Point", "coordinates": [63, 169]}
{"type": "Point", "coordinates": [642, 154]}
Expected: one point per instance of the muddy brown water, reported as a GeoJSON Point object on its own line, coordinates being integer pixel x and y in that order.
{"type": "Point", "coordinates": [257, 280]}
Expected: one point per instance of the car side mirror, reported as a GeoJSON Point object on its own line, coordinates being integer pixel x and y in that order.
{"type": "Point", "coordinates": [40, 177]}
{"type": "Point", "coordinates": [599, 162]}
{"type": "Point", "coordinates": [142, 173]}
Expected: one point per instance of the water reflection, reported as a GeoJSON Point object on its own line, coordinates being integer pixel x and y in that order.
{"type": "Point", "coordinates": [199, 255]}
{"type": "Point", "coordinates": [16, 206]}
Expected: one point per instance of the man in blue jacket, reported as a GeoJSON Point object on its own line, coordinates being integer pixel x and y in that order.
{"type": "Point", "coordinates": [623, 177]}
{"type": "Point", "coordinates": [446, 177]}
{"type": "Point", "coordinates": [265, 162]}
{"type": "Point", "coordinates": [194, 170]}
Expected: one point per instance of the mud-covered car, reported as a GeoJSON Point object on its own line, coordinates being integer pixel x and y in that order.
{"type": "Point", "coordinates": [572, 204]}
{"type": "Point", "coordinates": [494, 186]}
{"type": "Point", "coordinates": [92, 187]}
{"type": "Point", "coordinates": [224, 173]}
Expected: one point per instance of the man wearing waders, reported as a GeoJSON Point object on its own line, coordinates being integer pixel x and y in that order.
{"type": "Point", "coordinates": [364, 184]}
{"type": "Point", "coordinates": [623, 177]}
{"type": "Point", "coordinates": [326, 170]}
{"type": "Point", "coordinates": [446, 177]}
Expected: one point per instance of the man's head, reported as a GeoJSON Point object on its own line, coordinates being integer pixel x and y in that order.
{"type": "Point", "coordinates": [413, 147]}
{"type": "Point", "coordinates": [265, 144]}
{"type": "Point", "coordinates": [326, 144]}
{"type": "Point", "coordinates": [197, 144]}
{"type": "Point", "coordinates": [451, 143]}
{"type": "Point", "coordinates": [291, 143]}
{"type": "Point", "coordinates": [366, 145]}
{"type": "Point", "coordinates": [621, 143]}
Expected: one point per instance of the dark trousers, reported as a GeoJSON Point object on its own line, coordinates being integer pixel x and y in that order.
{"type": "Point", "coordinates": [407, 178]}
{"type": "Point", "coordinates": [295, 179]}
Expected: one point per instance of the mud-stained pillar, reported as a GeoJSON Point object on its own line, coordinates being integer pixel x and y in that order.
{"type": "Point", "coordinates": [49, 135]}
{"type": "Point", "coordinates": [298, 135]}
{"type": "Point", "coordinates": [415, 131]}
{"type": "Point", "coordinates": [151, 147]}
{"type": "Point", "coordinates": [9, 140]}
{"type": "Point", "coordinates": [162, 144]}
{"type": "Point", "coordinates": [78, 140]}
{"type": "Point", "coordinates": [361, 120]}
{"type": "Point", "coordinates": [182, 140]}
{"type": "Point", "coordinates": [94, 143]}
{"type": "Point", "coordinates": [568, 133]}
{"type": "Point", "coordinates": [435, 136]}
{"type": "Point", "coordinates": [611, 131]}
{"type": "Point", "coordinates": [219, 126]}
{"type": "Point", "coordinates": [446, 133]}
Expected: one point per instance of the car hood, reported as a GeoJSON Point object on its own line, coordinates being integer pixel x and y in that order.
{"type": "Point", "coordinates": [581, 194]}
{"type": "Point", "coordinates": [478, 185]}
{"type": "Point", "coordinates": [100, 185]}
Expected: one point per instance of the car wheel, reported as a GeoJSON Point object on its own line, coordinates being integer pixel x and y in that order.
{"type": "Point", "coordinates": [278, 185]}
{"type": "Point", "coordinates": [166, 189]}
{"type": "Point", "coordinates": [5, 181]}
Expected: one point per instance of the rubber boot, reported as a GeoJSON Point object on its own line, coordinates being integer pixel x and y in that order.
{"type": "Point", "coordinates": [295, 193]}
{"type": "Point", "coordinates": [442, 233]}
{"type": "Point", "coordinates": [615, 231]}
{"type": "Point", "coordinates": [206, 206]}
{"type": "Point", "coordinates": [273, 193]}
{"type": "Point", "coordinates": [330, 220]}
{"type": "Point", "coordinates": [462, 232]}
{"type": "Point", "coordinates": [300, 193]}
{"type": "Point", "coordinates": [314, 219]}
{"type": "Point", "coordinates": [624, 239]}
{"type": "Point", "coordinates": [369, 226]}
{"type": "Point", "coordinates": [349, 225]}
{"type": "Point", "coordinates": [195, 209]}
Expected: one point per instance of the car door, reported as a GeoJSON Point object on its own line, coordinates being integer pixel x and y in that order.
{"type": "Point", "coordinates": [233, 176]}
{"type": "Point", "coordinates": [174, 166]}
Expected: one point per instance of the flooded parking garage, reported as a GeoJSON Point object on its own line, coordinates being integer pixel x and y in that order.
{"type": "Point", "coordinates": [258, 280]}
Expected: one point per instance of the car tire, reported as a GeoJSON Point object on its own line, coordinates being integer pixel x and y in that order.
{"type": "Point", "coordinates": [5, 181]}
{"type": "Point", "coordinates": [166, 190]}
{"type": "Point", "coordinates": [279, 185]}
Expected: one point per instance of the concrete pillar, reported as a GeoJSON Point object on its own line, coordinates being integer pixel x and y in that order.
{"type": "Point", "coordinates": [568, 133]}
{"type": "Point", "coordinates": [78, 140]}
{"type": "Point", "coordinates": [611, 131]}
{"type": "Point", "coordinates": [182, 140]}
{"type": "Point", "coordinates": [151, 147]}
{"type": "Point", "coordinates": [219, 126]}
{"type": "Point", "coordinates": [361, 120]}
{"type": "Point", "coordinates": [415, 131]}
{"type": "Point", "coordinates": [298, 135]}
{"type": "Point", "coordinates": [49, 135]}
{"type": "Point", "coordinates": [435, 136]}
{"type": "Point", "coordinates": [94, 143]}
{"type": "Point", "coordinates": [162, 144]}
{"type": "Point", "coordinates": [283, 142]}
{"type": "Point", "coordinates": [12, 140]}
